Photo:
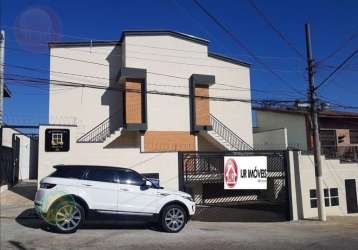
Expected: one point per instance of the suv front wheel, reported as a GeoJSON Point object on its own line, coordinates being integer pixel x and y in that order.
{"type": "Point", "coordinates": [173, 218]}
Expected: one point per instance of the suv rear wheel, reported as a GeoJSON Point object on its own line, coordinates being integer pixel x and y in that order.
{"type": "Point", "coordinates": [68, 217]}
{"type": "Point", "coordinates": [173, 218]}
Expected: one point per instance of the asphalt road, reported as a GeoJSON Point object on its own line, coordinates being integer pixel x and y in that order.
{"type": "Point", "coordinates": [28, 233]}
{"type": "Point", "coordinates": [21, 230]}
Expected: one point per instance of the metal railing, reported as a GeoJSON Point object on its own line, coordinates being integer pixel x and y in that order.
{"type": "Point", "coordinates": [228, 135]}
{"type": "Point", "coordinates": [99, 133]}
{"type": "Point", "coordinates": [343, 153]}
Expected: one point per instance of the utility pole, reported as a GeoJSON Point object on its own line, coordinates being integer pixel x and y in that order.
{"type": "Point", "coordinates": [314, 120]}
{"type": "Point", "coordinates": [2, 49]}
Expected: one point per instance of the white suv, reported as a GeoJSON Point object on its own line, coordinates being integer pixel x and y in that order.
{"type": "Point", "coordinates": [66, 197]}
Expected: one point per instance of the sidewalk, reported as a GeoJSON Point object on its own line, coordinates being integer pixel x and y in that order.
{"type": "Point", "coordinates": [18, 199]}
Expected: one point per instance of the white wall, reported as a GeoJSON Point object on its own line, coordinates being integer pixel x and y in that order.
{"type": "Point", "coordinates": [121, 155]}
{"type": "Point", "coordinates": [88, 106]}
{"type": "Point", "coordinates": [177, 57]}
{"type": "Point", "coordinates": [334, 175]}
{"type": "Point", "coordinates": [24, 151]}
{"type": "Point", "coordinates": [275, 139]}
{"type": "Point", "coordinates": [294, 123]}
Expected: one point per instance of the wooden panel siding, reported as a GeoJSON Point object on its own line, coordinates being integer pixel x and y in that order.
{"type": "Point", "coordinates": [133, 102]}
{"type": "Point", "coordinates": [168, 141]}
{"type": "Point", "coordinates": [202, 106]}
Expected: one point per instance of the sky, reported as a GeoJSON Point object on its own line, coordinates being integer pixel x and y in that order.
{"type": "Point", "coordinates": [30, 24]}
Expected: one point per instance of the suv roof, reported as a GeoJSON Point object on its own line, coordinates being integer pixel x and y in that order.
{"type": "Point", "coordinates": [88, 166]}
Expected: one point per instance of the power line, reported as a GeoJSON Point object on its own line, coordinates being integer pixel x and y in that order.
{"type": "Point", "coordinates": [240, 44]}
{"type": "Point", "coordinates": [337, 68]}
{"type": "Point", "coordinates": [154, 60]}
{"type": "Point", "coordinates": [276, 30]}
{"type": "Point", "coordinates": [43, 81]}
{"type": "Point", "coordinates": [233, 88]}
{"type": "Point", "coordinates": [141, 45]}
{"type": "Point", "coordinates": [342, 46]}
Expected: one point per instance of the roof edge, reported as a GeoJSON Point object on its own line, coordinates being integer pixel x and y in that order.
{"type": "Point", "coordinates": [229, 59]}
{"type": "Point", "coordinates": [328, 113]}
{"type": "Point", "coordinates": [164, 33]}
{"type": "Point", "coordinates": [84, 43]}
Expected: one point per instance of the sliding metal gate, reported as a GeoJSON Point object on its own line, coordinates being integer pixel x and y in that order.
{"type": "Point", "coordinates": [201, 175]}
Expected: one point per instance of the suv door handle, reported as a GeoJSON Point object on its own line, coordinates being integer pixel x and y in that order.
{"type": "Point", "coordinates": [87, 185]}
{"type": "Point", "coordinates": [123, 189]}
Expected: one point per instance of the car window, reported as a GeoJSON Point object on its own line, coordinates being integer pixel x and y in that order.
{"type": "Point", "coordinates": [130, 177]}
{"type": "Point", "coordinates": [104, 175]}
{"type": "Point", "coordinates": [68, 172]}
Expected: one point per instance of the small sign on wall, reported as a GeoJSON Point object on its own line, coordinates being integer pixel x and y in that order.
{"type": "Point", "coordinates": [245, 172]}
{"type": "Point", "coordinates": [57, 140]}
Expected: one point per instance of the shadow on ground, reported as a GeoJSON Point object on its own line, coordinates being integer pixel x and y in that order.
{"type": "Point", "coordinates": [245, 213]}
{"type": "Point", "coordinates": [25, 189]}
{"type": "Point", "coordinates": [28, 218]}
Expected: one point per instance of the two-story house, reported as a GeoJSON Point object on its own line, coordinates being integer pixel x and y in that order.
{"type": "Point", "coordinates": [338, 131]}
{"type": "Point", "coordinates": [138, 101]}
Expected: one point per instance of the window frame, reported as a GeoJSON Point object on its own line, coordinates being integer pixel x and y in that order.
{"type": "Point", "coordinates": [353, 131]}
{"type": "Point", "coordinates": [116, 179]}
{"type": "Point", "coordinates": [123, 182]}
{"type": "Point", "coordinates": [328, 197]}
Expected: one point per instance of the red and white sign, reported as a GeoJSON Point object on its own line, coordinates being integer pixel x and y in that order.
{"type": "Point", "coordinates": [245, 172]}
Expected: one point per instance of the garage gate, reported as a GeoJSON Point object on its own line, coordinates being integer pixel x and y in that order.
{"type": "Point", "coordinates": [201, 175]}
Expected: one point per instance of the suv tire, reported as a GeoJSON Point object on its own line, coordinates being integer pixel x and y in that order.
{"type": "Point", "coordinates": [67, 216]}
{"type": "Point", "coordinates": [173, 218]}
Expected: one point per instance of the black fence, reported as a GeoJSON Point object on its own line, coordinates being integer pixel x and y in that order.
{"type": "Point", "coordinates": [202, 175]}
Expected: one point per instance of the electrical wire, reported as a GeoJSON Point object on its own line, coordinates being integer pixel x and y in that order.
{"type": "Point", "coordinates": [243, 46]}
{"type": "Point", "coordinates": [276, 30]}
{"type": "Point", "coordinates": [43, 81]}
{"type": "Point", "coordinates": [337, 69]}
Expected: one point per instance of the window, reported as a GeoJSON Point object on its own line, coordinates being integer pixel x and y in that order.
{"type": "Point", "coordinates": [331, 198]}
{"type": "Point", "coordinates": [68, 172]}
{"type": "Point", "coordinates": [313, 198]}
{"type": "Point", "coordinates": [57, 139]}
{"type": "Point", "coordinates": [328, 137]}
{"type": "Point", "coordinates": [130, 177]}
{"type": "Point", "coordinates": [353, 134]}
{"type": "Point", "coordinates": [104, 175]}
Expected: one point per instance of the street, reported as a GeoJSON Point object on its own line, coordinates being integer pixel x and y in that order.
{"type": "Point", "coordinates": [20, 229]}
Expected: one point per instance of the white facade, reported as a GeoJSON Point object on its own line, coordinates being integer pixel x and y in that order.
{"type": "Point", "coordinates": [334, 175]}
{"type": "Point", "coordinates": [273, 139]}
{"type": "Point", "coordinates": [295, 124]}
{"type": "Point", "coordinates": [169, 61]}
{"type": "Point", "coordinates": [24, 150]}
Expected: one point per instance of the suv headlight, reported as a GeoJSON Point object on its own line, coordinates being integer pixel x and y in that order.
{"type": "Point", "coordinates": [189, 198]}
{"type": "Point", "coordinates": [47, 185]}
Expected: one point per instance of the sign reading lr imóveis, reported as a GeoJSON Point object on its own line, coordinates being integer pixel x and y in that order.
{"type": "Point", "coordinates": [245, 172]}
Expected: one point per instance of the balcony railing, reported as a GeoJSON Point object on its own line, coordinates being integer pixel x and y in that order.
{"type": "Point", "coordinates": [343, 153]}
{"type": "Point", "coordinates": [228, 135]}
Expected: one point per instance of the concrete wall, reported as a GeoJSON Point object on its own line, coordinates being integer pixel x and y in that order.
{"type": "Point", "coordinates": [334, 176]}
{"type": "Point", "coordinates": [88, 106]}
{"type": "Point", "coordinates": [121, 153]}
{"type": "Point", "coordinates": [24, 151]}
{"type": "Point", "coordinates": [181, 58]}
{"type": "Point", "coordinates": [275, 139]}
{"type": "Point", "coordinates": [294, 123]}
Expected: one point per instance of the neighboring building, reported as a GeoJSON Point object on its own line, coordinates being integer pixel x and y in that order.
{"type": "Point", "coordinates": [153, 98]}
{"type": "Point", "coordinates": [338, 131]}
{"type": "Point", "coordinates": [282, 129]}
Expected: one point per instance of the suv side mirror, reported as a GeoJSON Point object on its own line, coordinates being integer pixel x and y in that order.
{"type": "Point", "coordinates": [146, 184]}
